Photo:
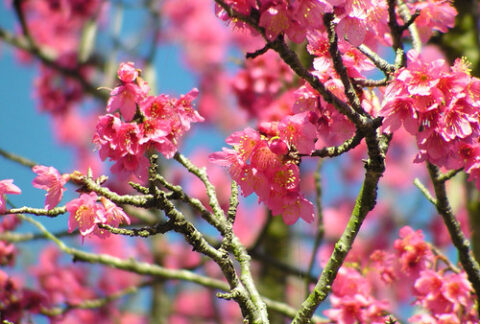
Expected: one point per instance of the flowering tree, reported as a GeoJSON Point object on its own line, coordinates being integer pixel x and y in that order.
{"type": "Point", "coordinates": [356, 124]}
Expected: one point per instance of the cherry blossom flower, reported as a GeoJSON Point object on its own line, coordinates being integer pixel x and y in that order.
{"type": "Point", "coordinates": [413, 251]}
{"type": "Point", "coordinates": [48, 178]}
{"type": "Point", "coordinates": [127, 72]}
{"type": "Point", "coordinates": [125, 98]}
{"type": "Point", "coordinates": [112, 214]}
{"type": "Point", "coordinates": [352, 301]}
{"type": "Point", "coordinates": [84, 213]}
{"type": "Point", "coordinates": [7, 187]}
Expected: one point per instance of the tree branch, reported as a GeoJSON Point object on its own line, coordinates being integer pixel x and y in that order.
{"type": "Point", "coordinates": [458, 238]}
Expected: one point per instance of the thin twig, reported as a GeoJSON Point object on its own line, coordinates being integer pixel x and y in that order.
{"type": "Point", "coordinates": [333, 151]}
{"type": "Point", "coordinates": [449, 175]}
{"type": "Point", "coordinates": [424, 191]}
{"type": "Point", "coordinates": [17, 158]}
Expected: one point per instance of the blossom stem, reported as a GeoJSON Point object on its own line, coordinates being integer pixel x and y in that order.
{"type": "Point", "coordinates": [257, 311]}
{"type": "Point", "coordinates": [160, 228]}
{"type": "Point", "coordinates": [202, 175]}
{"type": "Point", "coordinates": [396, 31]}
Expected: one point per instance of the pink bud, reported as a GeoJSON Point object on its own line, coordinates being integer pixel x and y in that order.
{"type": "Point", "coordinates": [278, 146]}
{"type": "Point", "coordinates": [127, 72]}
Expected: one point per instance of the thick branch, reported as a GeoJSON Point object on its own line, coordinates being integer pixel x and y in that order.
{"type": "Point", "coordinates": [458, 238]}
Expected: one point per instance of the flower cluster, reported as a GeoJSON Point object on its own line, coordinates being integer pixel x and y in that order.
{"type": "Point", "coordinates": [87, 214]}
{"type": "Point", "coordinates": [260, 82]}
{"type": "Point", "coordinates": [446, 296]}
{"type": "Point", "coordinates": [352, 300]}
{"type": "Point", "coordinates": [60, 283]}
{"type": "Point", "coordinates": [357, 21]}
{"type": "Point", "coordinates": [65, 22]}
{"type": "Point", "coordinates": [159, 123]}
{"type": "Point", "coordinates": [267, 164]}
{"type": "Point", "coordinates": [439, 105]}
{"type": "Point", "coordinates": [442, 291]}
{"type": "Point", "coordinates": [16, 300]}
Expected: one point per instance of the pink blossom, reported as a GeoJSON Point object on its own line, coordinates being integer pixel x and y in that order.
{"type": "Point", "coordinates": [48, 178]}
{"type": "Point", "coordinates": [55, 93]}
{"type": "Point", "coordinates": [7, 187]}
{"type": "Point", "coordinates": [351, 300]}
{"type": "Point", "coordinates": [435, 15]}
{"type": "Point", "coordinates": [204, 47]}
{"type": "Point", "coordinates": [125, 98]}
{"type": "Point", "coordinates": [299, 132]}
{"type": "Point", "coordinates": [444, 293]}
{"type": "Point", "coordinates": [7, 253]}
{"type": "Point", "coordinates": [112, 214]}
{"type": "Point", "coordinates": [275, 20]}
{"type": "Point", "coordinates": [260, 82]}
{"type": "Point", "coordinates": [127, 72]}
{"type": "Point", "coordinates": [84, 213]}
{"type": "Point", "coordinates": [353, 29]}
{"type": "Point", "coordinates": [61, 283]}
{"type": "Point", "coordinates": [413, 251]}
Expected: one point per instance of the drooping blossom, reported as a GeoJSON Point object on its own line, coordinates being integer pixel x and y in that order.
{"type": "Point", "coordinates": [87, 214]}
{"type": "Point", "coordinates": [7, 187]}
{"type": "Point", "coordinates": [48, 178]}
{"type": "Point", "coordinates": [125, 98]}
{"type": "Point", "coordinates": [274, 178]}
{"type": "Point", "coordinates": [112, 214]}
{"type": "Point", "coordinates": [83, 213]}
